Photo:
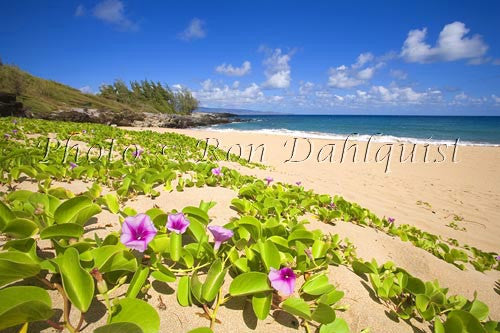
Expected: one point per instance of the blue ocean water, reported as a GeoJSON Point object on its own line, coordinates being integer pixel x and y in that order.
{"type": "Point", "coordinates": [469, 130]}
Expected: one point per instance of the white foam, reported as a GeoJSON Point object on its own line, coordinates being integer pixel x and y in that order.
{"type": "Point", "coordinates": [359, 137]}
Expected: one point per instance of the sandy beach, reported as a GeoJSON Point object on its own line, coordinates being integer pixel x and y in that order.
{"type": "Point", "coordinates": [464, 189]}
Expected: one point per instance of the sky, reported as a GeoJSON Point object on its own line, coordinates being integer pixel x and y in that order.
{"type": "Point", "coordinates": [311, 57]}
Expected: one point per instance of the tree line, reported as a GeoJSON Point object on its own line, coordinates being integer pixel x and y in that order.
{"type": "Point", "coordinates": [154, 94]}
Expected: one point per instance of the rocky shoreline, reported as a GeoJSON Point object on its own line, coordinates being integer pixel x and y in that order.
{"type": "Point", "coordinates": [10, 107]}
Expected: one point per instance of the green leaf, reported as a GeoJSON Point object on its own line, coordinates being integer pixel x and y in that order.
{"type": "Point", "coordinates": [214, 281]}
{"type": "Point", "coordinates": [138, 312]}
{"type": "Point", "coordinates": [20, 228]}
{"type": "Point", "coordinates": [465, 320]}
{"type": "Point", "coordinates": [5, 215]}
{"type": "Point", "coordinates": [297, 306]}
{"type": "Point", "coordinates": [270, 255]}
{"type": "Point", "coordinates": [66, 230]}
{"type": "Point", "coordinates": [338, 326]}
{"type": "Point", "coordinates": [332, 297]}
{"type": "Point", "coordinates": [249, 283]}
{"type": "Point", "coordinates": [317, 285]}
{"type": "Point", "coordinates": [252, 225]}
{"type": "Point", "coordinates": [184, 291]}
{"type": "Point", "coordinates": [111, 201]}
{"type": "Point", "coordinates": [479, 310]}
{"type": "Point", "coordinates": [201, 330]}
{"type": "Point", "coordinates": [119, 328]}
{"type": "Point", "coordinates": [16, 266]}
{"type": "Point", "coordinates": [415, 286]}
{"type": "Point", "coordinates": [163, 274]}
{"type": "Point", "coordinates": [196, 287]}
{"type": "Point", "coordinates": [422, 301]}
{"type": "Point", "coordinates": [261, 304]}
{"type": "Point", "coordinates": [69, 210]}
{"type": "Point", "coordinates": [23, 304]}
{"type": "Point", "coordinates": [197, 213]}
{"type": "Point", "coordinates": [77, 282]}
{"type": "Point", "coordinates": [301, 235]}
{"type": "Point", "coordinates": [135, 286]}
{"type": "Point", "coordinates": [323, 314]}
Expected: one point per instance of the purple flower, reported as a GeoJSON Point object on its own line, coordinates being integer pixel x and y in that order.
{"type": "Point", "coordinates": [391, 219]}
{"type": "Point", "coordinates": [497, 258]}
{"type": "Point", "coordinates": [282, 280]}
{"type": "Point", "coordinates": [14, 121]}
{"type": "Point", "coordinates": [298, 183]}
{"type": "Point", "coordinates": [268, 179]}
{"type": "Point", "coordinates": [217, 171]}
{"type": "Point", "coordinates": [84, 132]}
{"type": "Point", "coordinates": [332, 205]}
{"type": "Point", "coordinates": [137, 153]}
{"type": "Point", "coordinates": [137, 232]}
{"type": "Point", "coordinates": [6, 135]}
{"type": "Point", "coordinates": [221, 235]}
{"type": "Point", "coordinates": [72, 165]}
{"type": "Point", "coordinates": [14, 131]}
{"type": "Point", "coordinates": [177, 223]}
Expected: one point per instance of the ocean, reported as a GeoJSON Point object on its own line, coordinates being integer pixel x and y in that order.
{"type": "Point", "coordinates": [414, 129]}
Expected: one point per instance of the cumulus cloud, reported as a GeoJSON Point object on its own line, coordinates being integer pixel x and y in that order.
{"type": "Point", "coordinates": [305, 88]}
{"type": "Point", "coordinates": [452, 44]}
{"type": "Point", "coordinates": [195, 30]}
{"type": "Point", "coordinates": [278, 71]}
{"type": "Point", "coordinates": [234, 71]}
{"type": "Point", "coordinates": [225, 95]}
{"type": "Point", "coordinates": [113, 12]}
{"type": "Point", "coordinates": [344, 77]}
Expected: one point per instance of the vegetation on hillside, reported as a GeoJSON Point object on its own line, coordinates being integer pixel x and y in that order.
{"type": "Point", "coordinates": [158, 96]}
{"type": "Point", "coordinates": [43, 96]}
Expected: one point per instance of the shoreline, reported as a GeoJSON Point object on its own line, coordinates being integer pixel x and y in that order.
{"type": "Point", "coordinates": [352, 136]}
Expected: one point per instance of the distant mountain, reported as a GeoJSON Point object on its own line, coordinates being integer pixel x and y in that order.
{"type": "Point", "coordinates": [239, 112]}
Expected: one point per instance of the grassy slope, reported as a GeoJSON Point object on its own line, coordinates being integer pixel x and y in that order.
{"type": "Point", "coordinates": [42, 95]}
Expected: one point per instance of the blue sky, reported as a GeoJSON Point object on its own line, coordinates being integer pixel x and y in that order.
{"type": "Point", "coordinates": [362, 57]}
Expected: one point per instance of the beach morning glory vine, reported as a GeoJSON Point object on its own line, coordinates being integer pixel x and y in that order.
{"type": "Point", "coordinates": [220, 234]}
{"type": "Point", "coordinates": [177, 224]}
{"type": "Point", "coordinates": [283, 280]}
{"type": "Point", "coordinates": [137, 232]}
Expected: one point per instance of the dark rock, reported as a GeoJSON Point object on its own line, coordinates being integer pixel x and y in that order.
{"type": "Point", "coordinates": [9, 106]}
{"type": "Point", "coordinates": [136, 119]}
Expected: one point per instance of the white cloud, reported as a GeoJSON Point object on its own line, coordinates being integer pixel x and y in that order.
{"type": "Point", "coordinates": [113, 12]}
{"type": "Point", "coordinates": [451, 45]}
{"type": "Point", "coordinates": [234, 71]}
{"type": "Point", "coordinates": [278, 71]}
{"type": "Point", "coordinates": [87, 90]}
{"type": "Point", "coordinates": [226, 95]}
{"type": "Point", "coordinates": [344, 77]}
{"type": "Point", "coordinates": [495, 98]}
{"type": "Point", "coordinates": [363, 58]}
{"type": "Point", "coordinates": [340, 78]}
{"type": "Point", "coordinates": [195, 30]}
{"type": "Point", "coordinates": [398, 74]}
{"type": "Point", "coordinates": [305, 88]}
{"type": "Point", "coordinates": [80, 10]}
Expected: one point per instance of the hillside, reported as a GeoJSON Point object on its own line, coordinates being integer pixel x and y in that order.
{"type": "Point", "coordinates": [45, 96]}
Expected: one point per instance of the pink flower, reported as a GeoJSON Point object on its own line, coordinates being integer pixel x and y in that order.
{"type": "Point", "coordinates": [84, 132]}
{"type": "Point", "coordinates": [14, 131]}
{"type": "Point", "coordinates": [268, 179]}
{"type": "Point", "coordinates": [497, 258]}
{"type": "Point", "coordinates": [137, 232]}
{"type": "Point", "coordinates": [217, 171]}
{"type": "Point", "coordinates": [220, 234]}
{"type": "Point", "coordinates": [282, 280]}
{"type": "Point", "coordinates": [138, 153]}
{"type": "Point", "coordinates": [177, 223]}
{"type": "Point", "coordinates": [298, 183]}
{"type": "Point", "coordinates": [332, 205]}
{"type": "Point", "coordinates": [72, 165]}
{"type": "Point", "coordinates": [391, 219]}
